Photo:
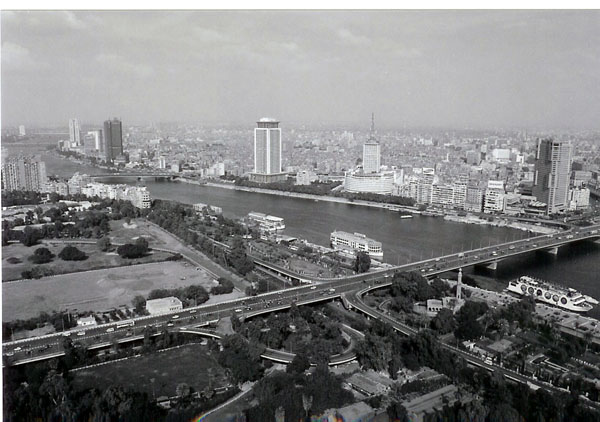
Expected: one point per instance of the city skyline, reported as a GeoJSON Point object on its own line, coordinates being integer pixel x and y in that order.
{"type": "Point", "coordinates": [534, 69]}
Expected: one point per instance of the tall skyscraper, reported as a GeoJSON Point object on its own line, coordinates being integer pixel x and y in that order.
{"type": "Point", "coordinates": [24, 173]}
{"type": "Point", "coordinates": [371, 151]}
{"type": "Point", "coordinates": [74, 132]}
{"type": "Point", "coordinates": [267, 151]}
{"type": "Point", "coordinates": [22, 130]}
{"type": "Point", "coordinates": [113, 139]}
{"type": "Point", "coordinates": [552, 173]}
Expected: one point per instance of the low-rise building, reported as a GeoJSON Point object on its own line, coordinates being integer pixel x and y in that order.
{"type": "Point", "coordinates": [163, 305]}
{"type": "Point", "coordinates": [86, 322]}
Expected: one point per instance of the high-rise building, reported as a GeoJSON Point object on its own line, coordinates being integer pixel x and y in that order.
{"type": "Point", "coordinates": [371, 151]}
{"type": "Point", "coordinates": [113, 139]}
{"type": "Point", "coordinates": [267, 152]}
{"type": "Point", "coordinates": [22, 130]}
{"type": "Point", "coordinates": [21, 173]}
{"type": "Point", "coordinates": [74, 133]}
{"type": "Point", "coordinates": [552, 173]}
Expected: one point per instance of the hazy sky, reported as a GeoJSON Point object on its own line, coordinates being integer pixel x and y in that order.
{"type": "Point", "coordinates": [458, 69]}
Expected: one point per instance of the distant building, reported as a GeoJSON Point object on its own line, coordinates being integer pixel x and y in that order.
{"type": "Point", "coordinates": [164, 305]}
{"type": "Point", "coordinates": [211, 209]}
{"type": "Point", "coordinates": [579, 199]}
{"type": "Point", "coordinates": [381, 183]}
{"type": "Point", "coordinates": [474, 199]}
{"type": "Point", "coordinates": [370, 179]}
{"type": "Point", "coordinates": [162, 162]}
{"type": "Point", "coordinates": [494, 197]}
{"type": "Point", "coordinates": [22, 130]}
{"type": "Point", "coordinates": [267, 152]}
{"type": "Point", "coordinates": [113, 139]}
{"type": "Point", "coordinates": [74, 133]}
{"type": "Point", "coordinates": [24, 173]}
{"type": "Point", "coordinates": [552, 174]}
{"type": "Point", "coordinates": [305, 177]}
{"type": "Point", "coordinates": [371, 151]}
{"type": "Point", "coordinates": [86, 322]}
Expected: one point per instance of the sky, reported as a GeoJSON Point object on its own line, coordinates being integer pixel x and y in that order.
{"type": "Point", "coordinates": [455, 69]}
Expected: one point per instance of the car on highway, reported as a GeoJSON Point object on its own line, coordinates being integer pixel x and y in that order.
{"type": "Point", "coordinates": [81, 333]}
{"type": "Point", "coordinates": [175, 317]}
{"type": "Point", "coordinates": [17, 349]}
{"type": "Point", "coordinates": [313, 287]}
{"type": "Point", "coordinates": [170, 324]}
{"type": "Point", "coordinates": [110, 330]}
{"type": "Point", "coordinates": [193, 311]}
{"type": "Point", "coordinates": [238, 310]}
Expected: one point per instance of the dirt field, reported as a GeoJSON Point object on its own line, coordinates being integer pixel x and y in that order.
{"type": "Point", "coordinates": [95, 290]}
{"type": "Point", "coordinates": [96, 259]}
{"type": "Point", "coordinates": [191, 364]}
{"type": "Point", "coordinates": [121, 232]}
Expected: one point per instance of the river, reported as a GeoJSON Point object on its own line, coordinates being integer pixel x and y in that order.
{"type": "Point", "coordinates": [403, 240]}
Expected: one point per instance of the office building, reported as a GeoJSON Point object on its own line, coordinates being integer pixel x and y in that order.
{"type": "Point", "coordinates": [579, 199]}
{"type": "Point", "coordinates": [552, 174]}
{"type": "Point", "coordinates": [24, 173]}
{"type": "Point", "coordinates": [22, 130]}
{"type": "Point", "coordinates": [474, 199]}
{"type": "Point", "coordinates": [113, 139]}
{"type": "Point", "coordinates": [74, 133]}
{"type": "Point", "coordinates": [267, 152]}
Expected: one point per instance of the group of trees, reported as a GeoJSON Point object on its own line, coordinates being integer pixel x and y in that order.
{"type": "Point", "coordinates": [225, 286]}
{"type": "Point", "coordinates": [299, 395]}
{"type": "Point", "coordinates": [362, 263]}
{"type": "Point", "coordinates": [193, 295]}
{"type": "Point", "coordinates": [303, 330]}
{"type": "Point", "coordinates": [134, 250]}
{"type": "Point", "coordinates": [57, 319]}
{"type": "Point", "coordinates": [410, 287]}
{"type": "Point", "coordinates": [315, 188]}
{"type": "Point", "coordinates": [71, 253]}
{"type": "Point", "coordinates": [19, 197]}
{"type": "Point", "coordinates": [376, 197]}
{"type": "Point", "coordinates": [238, 257]}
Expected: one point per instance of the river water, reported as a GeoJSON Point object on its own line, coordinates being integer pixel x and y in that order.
{"type": "Point", "coordinates": [404, 240]}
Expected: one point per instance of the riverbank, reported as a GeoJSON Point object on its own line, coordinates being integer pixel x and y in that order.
{"type": "Point", "coordinates": [468, 219]}
{"type": "Point", "coordinates": [309, 196]}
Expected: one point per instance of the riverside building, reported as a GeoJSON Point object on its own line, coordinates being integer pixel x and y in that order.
{"type": "Point", "coordinates": [267, 152]}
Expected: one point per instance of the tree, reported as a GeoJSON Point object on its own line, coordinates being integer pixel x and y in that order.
{"type": "Point", "coordinates": [71, 253]}
{"type": "Point", "coordinates": [131, 251]}
{"type": "Point", "coordinates": [362, 262]}
{"type": "Point", "coordinates": [444, 321]}
{"type": "Point", "coordinates": [30, 236]}
{"type": "Point", "coordinates": [225, 286]}
{"type": "Point", "coordinates": [104, 244]}
{"type": "Point", "coordinates": [299, 364]}
{"type": "Point", "coordinates": [41, 256]}
{"type": "Point", "coordinates": [139, 303]}
{"type": "Point", "coordinates": [141, 241]}
{"type": "Point", "coordinates": [397, 413]}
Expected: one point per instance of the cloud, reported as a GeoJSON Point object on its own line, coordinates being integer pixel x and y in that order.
{"type": "Point", "coordinates": [15, 56]}
{"type": "Point", "coordinates": [73, 21]}
{"type": "Point", "coordinates": [207, 35]}
{"type": "Point", "coordinates": [347, 36]}
{"type": "Point", "coordinates": [118, 64]}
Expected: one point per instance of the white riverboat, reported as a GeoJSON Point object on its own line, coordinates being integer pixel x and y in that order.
{"type": "Point", "coordinates": [350, 243]}
{"type": "Point", "coordinates": [552, 294]}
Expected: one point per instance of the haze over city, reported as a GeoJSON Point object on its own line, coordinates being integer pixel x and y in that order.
{"type": "Point", "coordinates": [480, 69]}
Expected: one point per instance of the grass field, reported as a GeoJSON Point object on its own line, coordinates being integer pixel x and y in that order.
{"type": "Point", "coordinates": [96, 259]}
{"type": "Point", "coordinates": [191, 364]}
{"type": "Point", "coordinates": [95, 290]}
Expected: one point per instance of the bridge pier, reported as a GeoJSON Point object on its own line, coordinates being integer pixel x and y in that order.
{"type": "Point", "coordinates": [553, 251]}
{"type": "Point", "coordinates": [492, 265]}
